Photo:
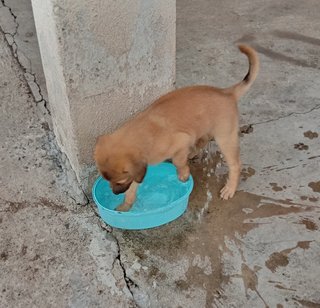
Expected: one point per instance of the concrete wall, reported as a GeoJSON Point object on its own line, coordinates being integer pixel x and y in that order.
{"type": "Point", "coordinates": [103, 60]}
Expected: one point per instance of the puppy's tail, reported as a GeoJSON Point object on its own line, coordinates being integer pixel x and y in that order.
{"type": "Point", "coordinates": [243, 86]}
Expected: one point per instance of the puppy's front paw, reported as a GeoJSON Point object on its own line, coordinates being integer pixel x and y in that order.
{"type": "Point", "coordinates": [184, 177]}
{"type": "Point", "coordinates": [183, 174]}
{"type": "Point", "coordinates": [124, 207]}
{"type": "Point", "coordinates": [227, 192]}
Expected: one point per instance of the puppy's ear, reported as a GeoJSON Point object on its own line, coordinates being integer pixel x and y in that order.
{"type": "Point", "coordinates": [139, 170]}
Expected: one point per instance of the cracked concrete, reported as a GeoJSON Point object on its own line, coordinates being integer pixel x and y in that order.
{"type": "Point", "coordinates": [259, 249]}
{"type": "Point", "coordinates": [53, 252]}
{"type": "Point", "coordinates": [24, 45]}
{"type": "Point", "coordinates": [288, 115]}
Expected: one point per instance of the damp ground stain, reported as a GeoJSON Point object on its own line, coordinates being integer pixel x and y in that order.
{"type": "Point", "coordinates": [203, 233]}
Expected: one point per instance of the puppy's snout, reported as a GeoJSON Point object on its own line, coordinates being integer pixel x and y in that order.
{"type": "Point", "coordinates": [119, 189]}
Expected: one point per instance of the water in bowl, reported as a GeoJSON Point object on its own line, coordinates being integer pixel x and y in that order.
{"type": "Point", "coordinates": [159, 192]}
{"type": "Point", "coordinates": [156, 191]}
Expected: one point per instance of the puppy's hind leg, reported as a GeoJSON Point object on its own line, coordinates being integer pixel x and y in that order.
{"type": "Point", "coordinates": [130, 198]}
{"type": "Point", "coordinates": [229, 146]}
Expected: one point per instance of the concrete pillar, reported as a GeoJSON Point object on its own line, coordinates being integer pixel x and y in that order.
{"type": "Point", "coordinates": [103, 60]}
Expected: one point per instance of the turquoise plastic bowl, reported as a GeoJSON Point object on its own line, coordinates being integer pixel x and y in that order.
{"type": "Point", "coordinates": [161, 198]}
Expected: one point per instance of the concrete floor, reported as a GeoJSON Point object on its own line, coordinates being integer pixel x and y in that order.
{"type": "Point", "coordinates": [259, 249]}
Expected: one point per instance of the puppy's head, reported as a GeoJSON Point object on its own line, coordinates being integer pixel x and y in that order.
{"type": "Point", "coordinates": [118, 164]}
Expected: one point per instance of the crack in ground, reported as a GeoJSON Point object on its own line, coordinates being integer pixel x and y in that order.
{"type": "Point", "coordinates": [129, 282]}
{"type": "Point", "coordinates": [13, 46]}
{"type": "Point", "coordinates": [14, 17]}
{"type": "Point", "coordinates": [77, 202]}
{"type": "Point", "coordinates": [14, 49]}
{"type": "Point", "coordinates": [102, 225]}
{"type": "Point", "coordinates": [286, 116]}
{"type": "Point", "coordinates": [42, 100]}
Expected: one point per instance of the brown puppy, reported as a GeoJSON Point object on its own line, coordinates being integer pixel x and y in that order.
{"type": "Point", "coordinates": [171, 128]}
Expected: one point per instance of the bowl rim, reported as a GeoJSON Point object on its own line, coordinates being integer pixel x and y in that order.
{"type": "Point", "coordinates": [186, 195]}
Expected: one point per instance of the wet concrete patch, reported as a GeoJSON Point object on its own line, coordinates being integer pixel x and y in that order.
{"type": "Point", "coordinates": [200, 236]}
{"type": "Point", "coordinates": [313, 199]}
{"type": "Point", "coordinates": [311, 135]}
{"type": "Point", "coordinates": [281, 258]}
{"type": "Point", "coordinates": [275, 187]}
{"type": "Point", "coordinates": [304, 244]}
{"type": "Point", "coordinates": [155, 273]}
{"type": "Point", "coordinates": [310, 225]}
{"type": "Point", "coordinates": [315, 186]}
{"type": "Point", "coordinates": [307, 304]}
{"type": "Point", "coordinates": [246, 129]}
{"type": "Point", "coordinates": [247, 173]}
{"type": "Point", "coordinates": [4, 256]}
{"type": "Point", "coordinates": [281, 287]}
{"type": "Point", "coordinates": [182, 285]}
{"type": "Point", "coordinates": [277, 259]}
{"type": "Point", "coordinates": [301, 146]}
{"type": "Point", "coordinates": [250, 280]}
